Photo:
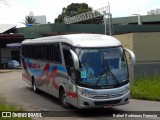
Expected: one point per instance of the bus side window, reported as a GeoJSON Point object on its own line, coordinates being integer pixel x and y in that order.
{"type": "Point", "coordinates": [42, 52]}
{"type": "Point", "coordinates": [68, 60]}
{"type": "Point", "coordinates": [57, 53]}
{"type": "Point", "coordinates": [47, 51]}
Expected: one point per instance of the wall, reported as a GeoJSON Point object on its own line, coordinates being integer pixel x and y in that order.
{"type": "Point", "coordinates": [37, 31]}
{"type": "Point", "coordinates": [147, 47]}
{"type": "Point", "coordinates": [126, 40]}
{"type": "Point", "coordinates": [5, 55]}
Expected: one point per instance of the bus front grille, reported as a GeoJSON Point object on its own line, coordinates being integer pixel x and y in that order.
{"type": "Point", "coordinates": [100, 103]}
{"type": "Point", "coordinates": [107, 96]}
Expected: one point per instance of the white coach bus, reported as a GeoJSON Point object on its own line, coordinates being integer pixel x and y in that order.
{"type": "Point", "coordinates": [82, 70]}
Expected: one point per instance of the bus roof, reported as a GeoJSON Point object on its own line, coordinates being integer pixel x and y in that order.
{"type": "Point", "coordinates": [78, 40]}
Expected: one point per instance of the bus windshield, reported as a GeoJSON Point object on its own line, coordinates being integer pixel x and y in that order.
{"type": "Point", "coordinates": [102, 67]}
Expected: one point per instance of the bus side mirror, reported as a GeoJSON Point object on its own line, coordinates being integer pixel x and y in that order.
{"type": "Point", "coordinates": [131, 56]}
{"type": "Point", "coordinates": [75, 59]}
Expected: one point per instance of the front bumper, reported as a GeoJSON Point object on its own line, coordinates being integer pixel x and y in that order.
{"type": "Point", "coordinates": [85, 102]}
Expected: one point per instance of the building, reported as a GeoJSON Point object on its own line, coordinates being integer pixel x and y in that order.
{"type": "Point", "coordinates": [133, 20]}
{"type": "Point", "coordinates": [146, 47]}
{"type": "Point", "coordinates": [154, 12]}
{"type": "Point", "coordinates": [39, 19]}
{"type": "Point", "coordinates": [9, 44]}
{"type": "Point", "coordinates": [142, 39]}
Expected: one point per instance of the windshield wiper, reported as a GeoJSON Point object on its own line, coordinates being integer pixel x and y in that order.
{"type": "Point", "coordinates": [109, 70]}
{"type": "Point", "coordinates": [100, 77]}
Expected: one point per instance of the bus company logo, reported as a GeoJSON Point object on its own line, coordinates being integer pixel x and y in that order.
{"type": "Point", "coordinates": [107, 96]}
{"type": "Point", "coordinates": [34, 66]}
{"type": "Point", "coordinates": [6, 114]}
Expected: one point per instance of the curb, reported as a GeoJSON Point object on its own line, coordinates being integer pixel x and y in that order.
{"type": "Point", "coordinates": [5, 71]}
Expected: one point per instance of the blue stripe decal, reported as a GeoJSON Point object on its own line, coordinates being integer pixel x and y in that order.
{"type": "Point", "coordinates": [37, 73]}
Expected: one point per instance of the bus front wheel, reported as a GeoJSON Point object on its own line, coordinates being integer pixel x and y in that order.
{"type": "Point", "coordinates": [63, 99]}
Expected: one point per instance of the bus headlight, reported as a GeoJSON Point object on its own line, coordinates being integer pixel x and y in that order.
{"type": "Point", "coordinates": [82, 92]}
{"type": "Point", "coordinates": [85, 92]}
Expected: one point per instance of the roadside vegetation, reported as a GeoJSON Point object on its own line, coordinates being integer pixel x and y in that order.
{"type": "Point", "coordinates": [4, 107]}
{"type": "Point", "coordinates": [146, 88]}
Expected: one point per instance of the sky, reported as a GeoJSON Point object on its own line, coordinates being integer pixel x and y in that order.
{"type": "Point", "coordinates": [15, 12]}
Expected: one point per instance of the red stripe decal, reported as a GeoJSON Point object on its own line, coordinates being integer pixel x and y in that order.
{"type": "Point", "coordinates": [49, 76]}
{"type": "Point", "coordinates": [71, 94]}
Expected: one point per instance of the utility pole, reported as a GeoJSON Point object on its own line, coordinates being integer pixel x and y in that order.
{"type": "Point", "coordinates": [109, 21]}
{"type": "Point", "coordinates": [105, 22]}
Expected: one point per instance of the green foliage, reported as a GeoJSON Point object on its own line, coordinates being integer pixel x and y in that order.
{"type": "Point", "coordinates": [15, 118]}
{"type": "Point", "coordinates": [7, 107]}
{"type": "Point", "coordinates": [29, 20]}
{"type": "Point", "coordinates": [146, 88]}
{"type": "Point", "coordinates": [75, 9]}
{"type": "Point", "coordinates": [4, 2]}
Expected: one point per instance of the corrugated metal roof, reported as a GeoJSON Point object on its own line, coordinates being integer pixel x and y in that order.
{"type": "Point", "coordinates": [5, 27]}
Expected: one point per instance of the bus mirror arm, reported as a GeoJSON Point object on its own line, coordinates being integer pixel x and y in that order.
{"type": "Point", "coordinates": [75, 60]}
{"type": "Point", "coordinates": [131, 56]}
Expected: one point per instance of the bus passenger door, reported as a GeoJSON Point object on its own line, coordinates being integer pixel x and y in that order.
{"type": "Point", "coordinates": [71, 92]}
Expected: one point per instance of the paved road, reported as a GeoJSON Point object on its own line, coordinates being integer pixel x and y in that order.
{"type": "Point", "coordinates": [17, 91]}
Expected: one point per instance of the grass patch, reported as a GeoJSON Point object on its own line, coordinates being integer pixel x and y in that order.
{"type": "Point", "coordinates": [10, 107]}
{"type": "Point", "coordinates": [146, 88]}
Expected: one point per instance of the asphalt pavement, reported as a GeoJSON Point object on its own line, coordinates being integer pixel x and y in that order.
{"type": "Point", "coordinates": [16, 91]}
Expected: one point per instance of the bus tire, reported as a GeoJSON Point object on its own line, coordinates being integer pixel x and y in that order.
{"type": "Point", "coordinates": [63, 99]}
{"type": "Point", "coordinates": [35, 89]}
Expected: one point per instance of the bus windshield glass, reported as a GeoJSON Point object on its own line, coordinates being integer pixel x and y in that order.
{"type": "Point", "coordinates": [102, 67]}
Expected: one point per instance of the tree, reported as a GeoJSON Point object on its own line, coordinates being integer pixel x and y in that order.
{"type": "Point", "coordinates": [29, 20]}
{"type": "Point", "coordinates": [4, 2]}
{"type": "Point", "coordinates": [75, 9]}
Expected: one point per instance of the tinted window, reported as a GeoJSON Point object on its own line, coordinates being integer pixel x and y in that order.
{"type": "Point", "coordinates": [42, 52]}
{"type": "Point", "coordinates": [37, 52]}
{"type": "Point", "coordinates": [48, 52]}
{"type": "Point", "coordinates": [56, 53]}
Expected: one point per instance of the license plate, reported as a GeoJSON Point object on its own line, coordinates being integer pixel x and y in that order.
{"type": "Point", "coordinates": [107, 106]}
